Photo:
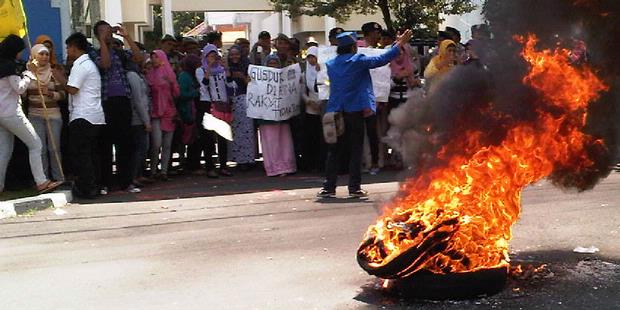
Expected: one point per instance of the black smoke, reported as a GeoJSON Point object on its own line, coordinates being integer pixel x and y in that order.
{"type": "Point", "coordinates": [491, 99]}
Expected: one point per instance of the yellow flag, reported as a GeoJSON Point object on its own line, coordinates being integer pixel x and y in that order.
{"type": "Point", "coordinates": [12, 18]}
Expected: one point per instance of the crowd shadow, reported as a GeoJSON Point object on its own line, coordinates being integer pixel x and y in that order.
{"type": "Point", "coordinates": [548, 280]}
{"type": "Point", "coordinates": [193, 186]}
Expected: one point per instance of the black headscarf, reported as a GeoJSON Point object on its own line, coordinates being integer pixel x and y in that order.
{"type": "Point", "coordinates": [9, 48]}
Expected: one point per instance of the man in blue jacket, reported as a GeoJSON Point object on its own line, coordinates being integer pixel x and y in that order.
{"type": "Point", "coordinates": [352, 95]}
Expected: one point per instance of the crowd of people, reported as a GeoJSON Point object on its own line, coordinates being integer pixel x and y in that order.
{"type": "Point", "coordinates": [114, 117]}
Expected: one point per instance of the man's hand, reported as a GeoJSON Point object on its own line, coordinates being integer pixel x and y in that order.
{"type": "Point", "coordinates": [59, 74]}
{"type": "Point", "coordinates": [148, 128]}
{"type": "Point", "coordinates": [122, 31]}
{"type": "Point", "coordinates": [404, 38]}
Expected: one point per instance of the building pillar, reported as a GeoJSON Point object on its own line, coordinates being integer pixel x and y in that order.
{"type": "Point", "coordinates": [330, 23]}
{"type": "Point", "coordinates": [65, 22]}
{"type": "Point", "coordinates": [287, 27]}
{"type": "Point", "coordinates": [166, 10]}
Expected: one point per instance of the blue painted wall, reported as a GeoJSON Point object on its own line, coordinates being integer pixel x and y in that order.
{"type": "Point", "coordinates": [43, 19]}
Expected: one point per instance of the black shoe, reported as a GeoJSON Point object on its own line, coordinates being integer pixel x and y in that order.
{"type": "Point", "coordinates": [360, 193]}
{"type": "Point", "coordinates": [326, 194]}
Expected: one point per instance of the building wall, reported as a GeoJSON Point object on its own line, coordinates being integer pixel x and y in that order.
{"type": "Point", "coordinates": [43, 18]}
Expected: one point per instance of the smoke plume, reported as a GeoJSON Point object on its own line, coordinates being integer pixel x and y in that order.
{"type": "Point", "coordinates": [491, 100]}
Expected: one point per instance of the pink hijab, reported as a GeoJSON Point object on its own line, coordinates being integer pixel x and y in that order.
{"type": "Point", "coordinates": [160, 79]}
{"type": "Point", "coordinates": [402, 66]}
{"type": "Point", "coordinates": [159, 74]}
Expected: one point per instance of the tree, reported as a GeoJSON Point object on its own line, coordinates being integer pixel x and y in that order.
{"type": "Point", "coordinates": [424, 16]}
{"type": "Point", "coordinates": [182, 21]}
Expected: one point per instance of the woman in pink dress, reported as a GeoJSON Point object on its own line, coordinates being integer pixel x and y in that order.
{"type": "Point", "coordinates": [164, 88]}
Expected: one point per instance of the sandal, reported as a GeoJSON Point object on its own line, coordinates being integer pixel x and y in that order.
{"type": "Point", "coordinates": [48, 186]}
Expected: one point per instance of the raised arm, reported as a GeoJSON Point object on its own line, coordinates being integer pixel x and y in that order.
{"type": "Point", "coordinates": [382, 60]}
{"type": "Point", "coordinates": [135, 50]}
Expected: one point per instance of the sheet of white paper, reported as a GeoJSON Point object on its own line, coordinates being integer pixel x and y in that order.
{"type": "Point", "coordinates": [222, 128]}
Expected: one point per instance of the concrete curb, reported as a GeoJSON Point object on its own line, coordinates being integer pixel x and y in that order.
{"type": "Point", "coordinates": [57, 199]}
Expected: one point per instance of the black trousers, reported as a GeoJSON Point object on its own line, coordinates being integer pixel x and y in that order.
{"type": "Point", "coordinates": [204, 142]}
{"type": "Point", "coordinates": [116, 134]}
{"type": "Point", "coordinates": [373, 139]}
{"type": "Point", "coordinates": [84, 150]}
{"type": "Point", "coordinates": [314, 143]}
{"type": "Point", "coordinates": [351, 142]}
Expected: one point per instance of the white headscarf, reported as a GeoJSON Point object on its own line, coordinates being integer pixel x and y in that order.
{"type": "Point", "coordinates": [311, 72]}
{"type": "Point", "coordinates": [44, 73]}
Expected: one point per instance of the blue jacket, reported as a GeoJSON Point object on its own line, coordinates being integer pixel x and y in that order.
{"type": "Point", "coordinates": [350, 87]}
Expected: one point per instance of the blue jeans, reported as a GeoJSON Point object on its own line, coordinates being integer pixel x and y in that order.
{"type": "Point", "coordinates": [48, 157]}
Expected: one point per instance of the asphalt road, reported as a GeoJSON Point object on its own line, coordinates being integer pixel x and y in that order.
{"type": "Point", "coordinates": [282, 250]}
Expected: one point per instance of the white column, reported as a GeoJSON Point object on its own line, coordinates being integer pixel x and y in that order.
{"type": "Point", "coordinates": [113, 12]}
{"type": "Point", "coordinates": [330, 23]}
{"type": "Point", "coordinates": [65, 23]}
{"type": "Point", "coordinates": [166, 7]}
{"type": "Point", "coordinates": [287, 27]}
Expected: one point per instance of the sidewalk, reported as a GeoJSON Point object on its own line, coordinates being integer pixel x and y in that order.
{"type": "Point", "coordinates": [12, 208]}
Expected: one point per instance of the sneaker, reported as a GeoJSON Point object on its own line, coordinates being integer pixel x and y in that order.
{"type": "Point", "coordinates": [360, 193]}
{"type": "Point", "coordinates": [133, 189]}
{"type": "Point", "coordinates": [326, 194]}
{"type": "Point", "coordinates": [374, 171]}
{"type": "Point", "coordinates": [103, 191]}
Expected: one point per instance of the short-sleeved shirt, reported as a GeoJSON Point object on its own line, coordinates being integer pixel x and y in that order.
{"type": "Point", "coordinates": [86, 103]}
{"type": "Point", "coordinates": [115, 76]}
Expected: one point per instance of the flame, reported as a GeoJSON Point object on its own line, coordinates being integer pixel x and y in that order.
{"type": "Point", "coordinates": [458, 217]}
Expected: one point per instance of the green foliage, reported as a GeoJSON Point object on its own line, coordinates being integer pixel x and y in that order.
{"type": "Point", "coordinates": [420, 15]}
{"type": "Point", "coordinates": [182, 21]}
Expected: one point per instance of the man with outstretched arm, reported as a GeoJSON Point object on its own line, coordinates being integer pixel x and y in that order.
{"type": "Point", "coordinates": [351, 94]}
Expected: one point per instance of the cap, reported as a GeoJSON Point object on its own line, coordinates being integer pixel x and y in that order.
{"type": "Point", "coordinates": [313, 51]}
{"type": "Point", "coordinates": [454, 31]}
{"type": "Point", "coordinates": [334, 32]}
{"type": "Point", "coordinates": [346, 38]}
{"type": "Point", "coordinates": [370, 27]}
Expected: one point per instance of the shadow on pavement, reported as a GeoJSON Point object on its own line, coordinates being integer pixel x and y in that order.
{"type": "Point", "coordinates": [192, 186]}
{"type": "Point", "coordinates": [550, 280]}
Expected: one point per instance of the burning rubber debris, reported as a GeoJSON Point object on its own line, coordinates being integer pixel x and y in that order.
{"type": "Point", "coordinates": [536, 111]}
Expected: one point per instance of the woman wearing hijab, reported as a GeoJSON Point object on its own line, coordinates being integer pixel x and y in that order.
{"type": "Point", "coordinates": [13, 122]}
{"type": "Point", "coordinates": [242, 147]}
{"type": "Point", "coordinates": [314, 143]}
{"type": "Point", "coordinates": [186, 104]}
{"type": "Point", "coordinates": [47, 41]}
{"type": "Point", "coordinates": [164, 88]}
{"type": "Point", "coordinates": [214, 96]}
{"type": "Point", "coordinates": [441, 64]}
{"type": "Point", "coordinates": [52, 92]}
{"type": "Point", "coordinates": [276, 139]}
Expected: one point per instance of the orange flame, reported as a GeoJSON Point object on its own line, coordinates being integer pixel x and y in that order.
{"type": "Point", "coordinates": [471, 203]}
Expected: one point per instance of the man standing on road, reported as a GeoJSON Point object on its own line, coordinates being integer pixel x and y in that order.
{"type": "Point", "coordinates": [86, 118]}
{"type": "Point", "coordinates": [352, 95]}
{"type": "Point", "coordinates": [115, 95]}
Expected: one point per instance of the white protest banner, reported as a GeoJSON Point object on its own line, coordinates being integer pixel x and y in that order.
{"type": "Point", "coordinates": [274, 94]}
{"type": "Point", "coordinates": [380, 76]}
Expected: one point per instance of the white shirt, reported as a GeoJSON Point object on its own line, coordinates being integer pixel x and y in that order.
{"type": "Point", "coordinates": [10, 88]}
{"type": "Point", "coordinates": [216, 88]}
{"type": "Point", "coordinates": [86, 103]}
